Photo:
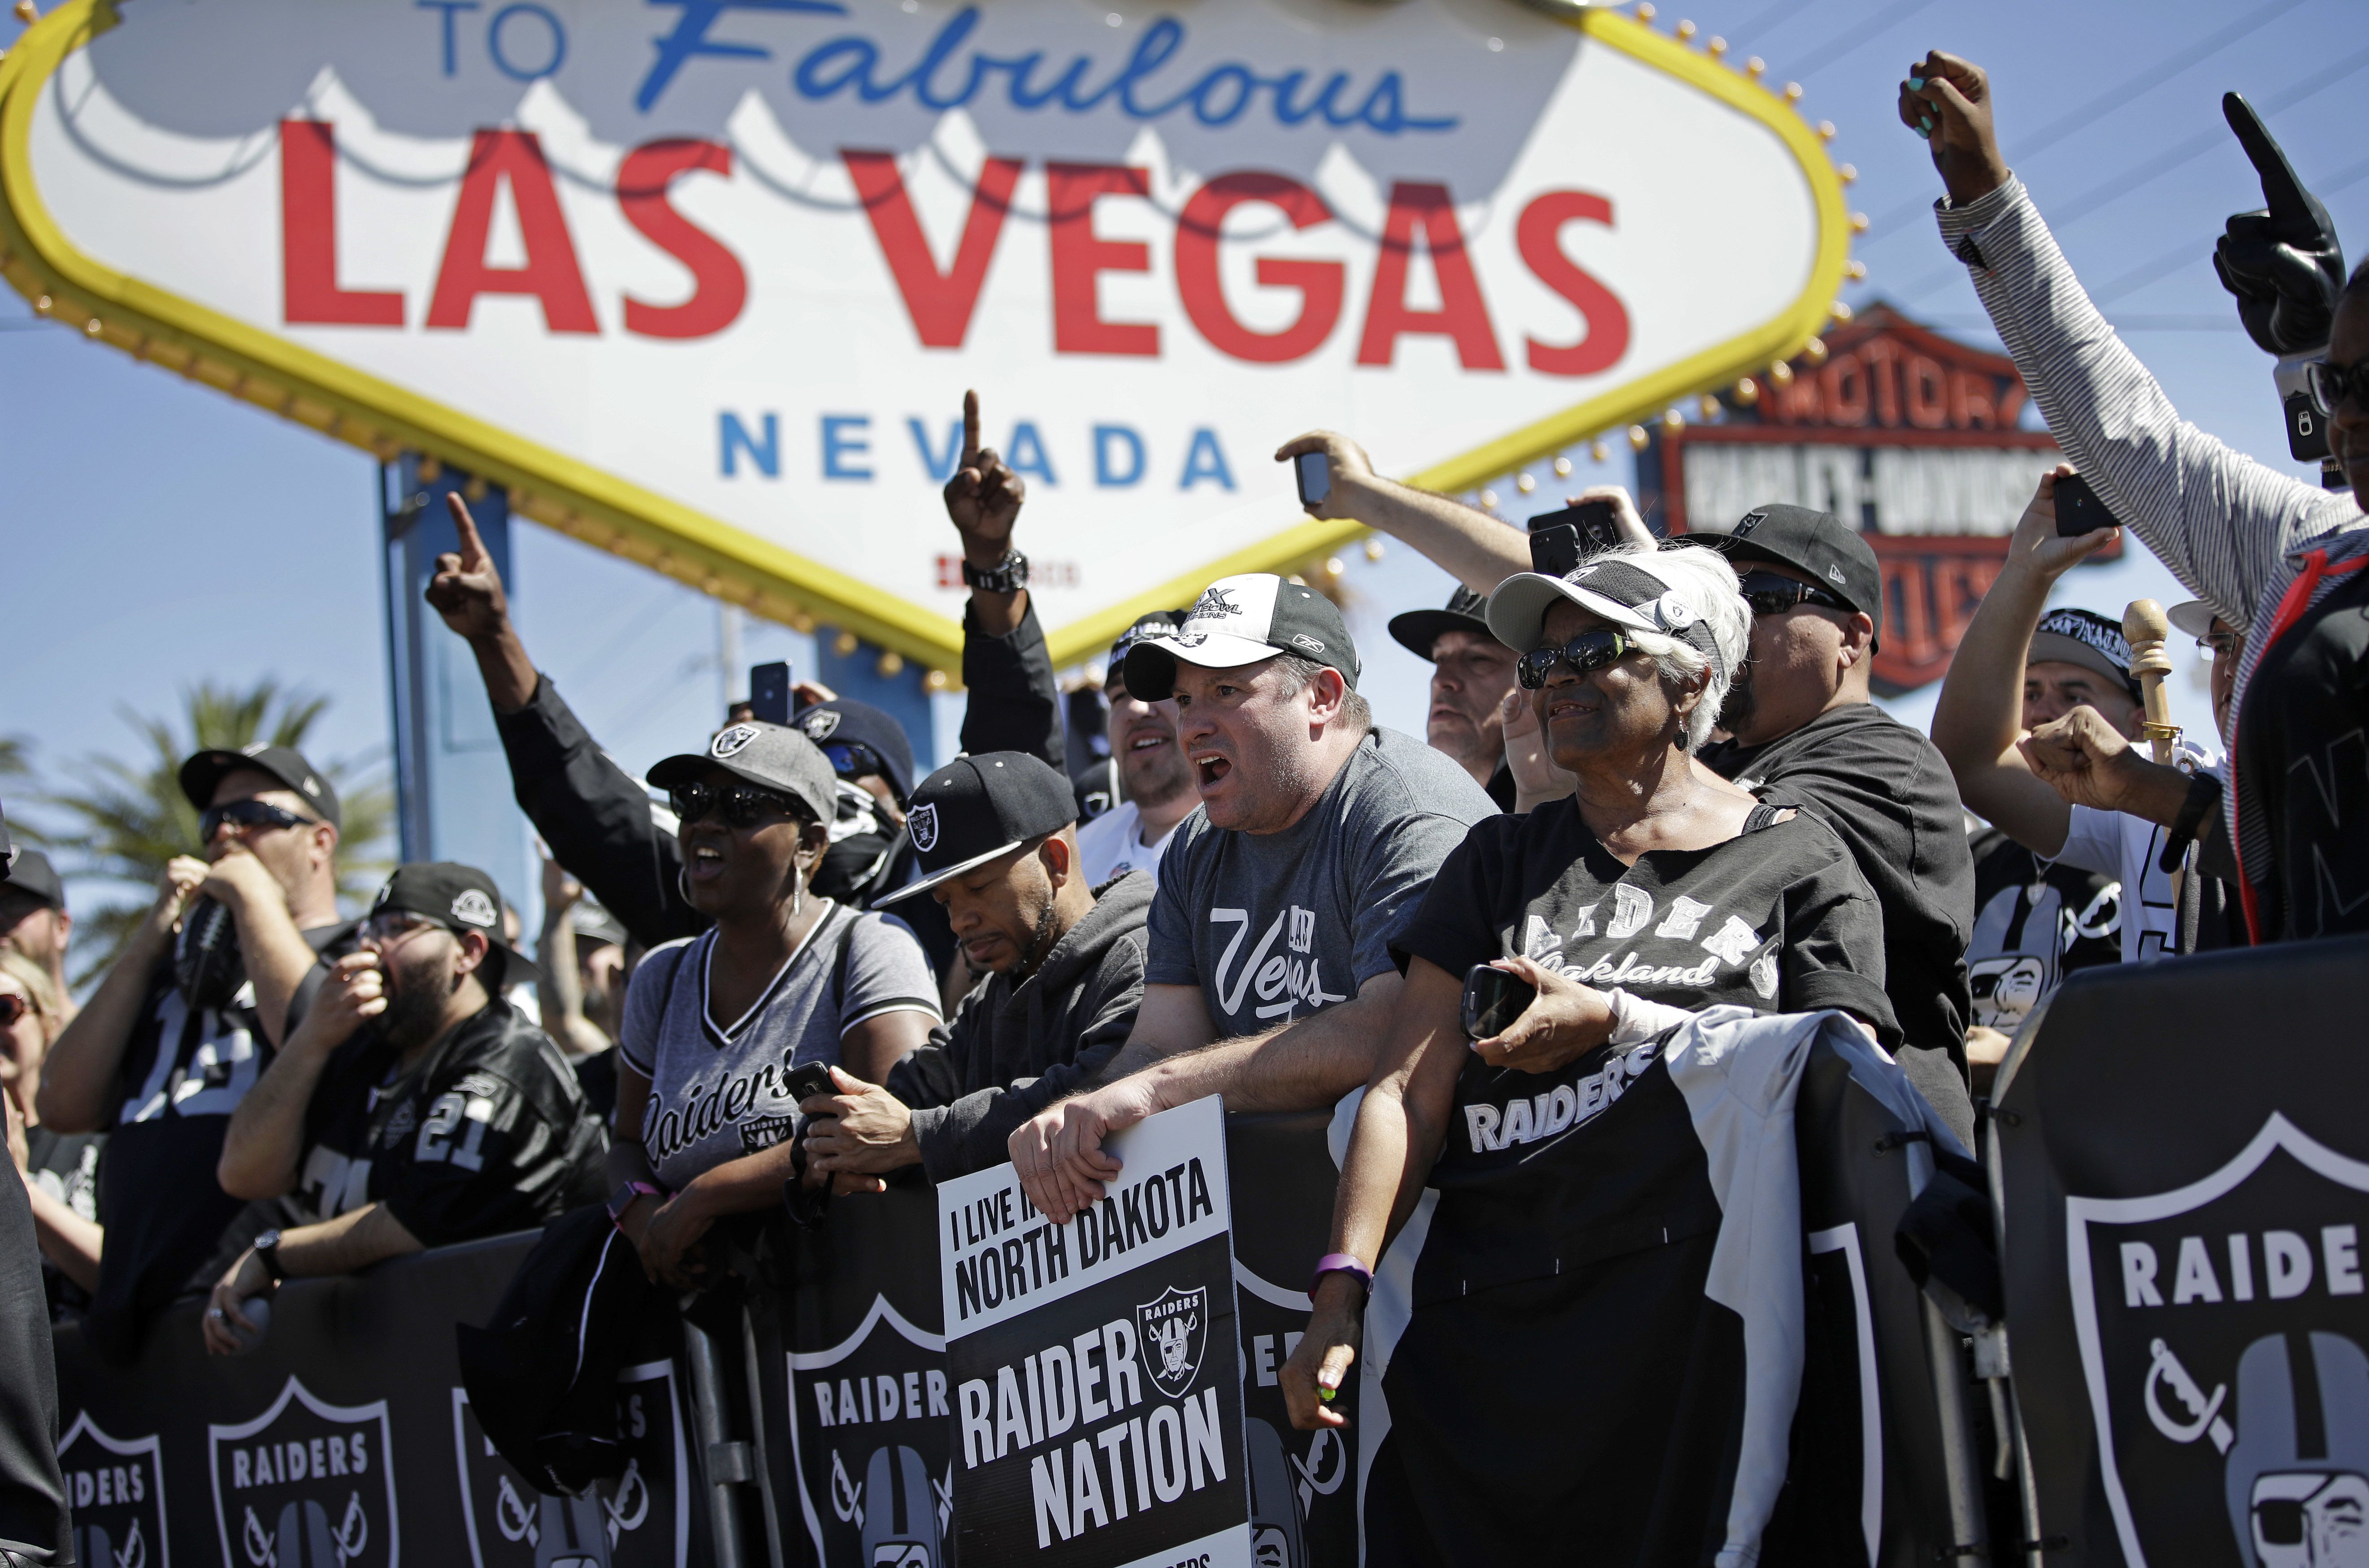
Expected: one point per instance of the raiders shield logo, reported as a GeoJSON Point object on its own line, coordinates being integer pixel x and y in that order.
{"type": "Point", "coordinates": [306, 1484]}
{"type": "Point", "coordinates": [732, 741]}
{"type": "Point", "coordinates": [2222, 1328]}
{"type": "Point", "coordinates": [1303, 1486]}
{"type": "Point", "coordinates": [117, 1489]}
{"type": "Point", "coordinates": [872, 1442]}
{"type": "Point", "coordinates": [640, 1520]}
{"type": "Point", "coordinates": [819, 724]}
{"type": "Point", "coordinates": [1172, 1332]}
{"type": "Point", "coordinates": [923, 825]}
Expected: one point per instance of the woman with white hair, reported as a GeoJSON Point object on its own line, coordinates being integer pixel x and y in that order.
{"type": "Point", "coordinates": [1576, 1221]}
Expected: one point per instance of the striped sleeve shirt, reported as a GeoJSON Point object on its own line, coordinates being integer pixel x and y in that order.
{"type": "Point", "coordinates": [2236, 532]}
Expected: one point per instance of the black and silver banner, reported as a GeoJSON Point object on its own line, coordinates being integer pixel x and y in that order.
{"type": "Point", "coordinates": [1097, 1380]}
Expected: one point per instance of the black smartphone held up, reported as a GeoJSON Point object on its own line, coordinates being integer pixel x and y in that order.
{"type": "Point", "coordinates": [769, 692]}
{"type": "Point", "coordinates": [1493, 999]}
{"type": "Point", "coordinates": [1313, 470]}
{"type": "Point", "coordinates": [2079, 509]}
{"type": "Point", "coordinates": [806, 1083]}
{"type": "Point", "coordinates": [1560, 540]}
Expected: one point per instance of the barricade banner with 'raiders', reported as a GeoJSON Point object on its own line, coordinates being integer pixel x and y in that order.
{"type": "Point", "coordinates": [1097, 1387]}
{"type": "Point", "coordinates": [2186, 1179]}
{"type": "Point", "coordinates": [344, 1440]}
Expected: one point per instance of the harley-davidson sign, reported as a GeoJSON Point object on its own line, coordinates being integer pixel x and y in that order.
{"type": "Point", "coordinates": [703, 283]}
{"type": "Point", "coordinates": [1908, 434]}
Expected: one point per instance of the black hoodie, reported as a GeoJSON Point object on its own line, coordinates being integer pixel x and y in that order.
{"type": "Point", "coordinates": [1013, 1049]}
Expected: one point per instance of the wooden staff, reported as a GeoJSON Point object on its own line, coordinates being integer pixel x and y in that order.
{"type": "Point", "coordinates": [2145, 627]}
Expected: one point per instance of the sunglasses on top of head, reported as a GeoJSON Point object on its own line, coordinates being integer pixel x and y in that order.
{"type": "Point", "coordinates": [1586, 653]}
{"type": "Point", "coordinates": [12, 1006]}
{"type": "Point", "coordinates": [1769, 594]}
{"type": "Point", "coordinates": [248, 814]}
{"type": "Point", "coordinates": [741, 804]}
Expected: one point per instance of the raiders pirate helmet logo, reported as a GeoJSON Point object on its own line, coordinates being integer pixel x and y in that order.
{"type": "Point", "coordinates": [732, 741]}
{"type": "Point", "coordinates": [473, 908]}
{"type": "Point", "coordinates": [1172, 1331]}
{"type": "Point", "coordinates": [819, 723]}
{"type": "Point", "coordinates": [2222, 1327]}
{"type": "Point", "coordinates": [116, 1490]}
{"type": "Point", "coordinates": [923, 825]}
{"type": "Point", "coordinates": [306, 1484]}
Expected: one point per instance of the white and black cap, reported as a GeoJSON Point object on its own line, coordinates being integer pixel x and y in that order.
{"type": "Point", "coordinates": [771, 756]}
{"type": "Point", "coordinates": [1623, 590]}
{"type": "Point", "coordinates": [976, 809]}
{"type": "Point", "coordinates": [1238, 620]}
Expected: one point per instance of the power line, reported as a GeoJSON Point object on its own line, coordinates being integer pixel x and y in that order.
{"type": "Point", "coordinates": [2138, 85]}
{"type": "Point", "coordinates": [1846, 44]}
{"type": "Point", "coordinates": [1771, 17]}
{"type": "Point", "coordinates": [2107, 192]}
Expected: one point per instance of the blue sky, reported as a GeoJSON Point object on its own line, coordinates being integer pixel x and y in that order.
{"type": "Point", "coordinates": [157, 533]}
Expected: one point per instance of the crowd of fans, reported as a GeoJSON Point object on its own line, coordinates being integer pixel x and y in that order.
{"type": "Point", "coordinates": [1648, 786]}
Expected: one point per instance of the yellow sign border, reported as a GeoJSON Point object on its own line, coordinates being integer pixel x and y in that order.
{"type": "Point", "coordinates": [585, 503]}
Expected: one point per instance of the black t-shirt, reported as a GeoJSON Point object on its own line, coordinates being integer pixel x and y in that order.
{"type": "Point", "coordinates": [1575, 1207]}
{"type": "Point", "coordinates": [165, 1213]}
{"type": "Point", "coordinates": [1885, 791]}
{"type": "Point", "coordinates": [1776, 918]}
{"type": "Point", "coordinates": [2303, 759]}
{"type": "Point", "coordinates": [68, 1166]}
{"type": "Point", "coordinates": [486, 1133]}
{"type": "Point", "coordinates": [2033, 926]}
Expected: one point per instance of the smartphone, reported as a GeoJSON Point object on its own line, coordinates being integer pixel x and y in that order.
{"type": "Point", "coordinates": [2079, 509]}
{"type": "Point", "coordinates": [806, 1081]}
{"type": "Point", "coordinates": [769, 692]}
{"type": "Point", "coordinates": [1493, 999]}
{"type": "Point", "coordinates": [1560, 540]}
{"type": "Point", "coordinates": [1314, 471]}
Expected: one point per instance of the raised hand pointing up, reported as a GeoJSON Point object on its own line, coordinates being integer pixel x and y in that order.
{"type": "Point", "coordinates": [2283, 261]}
{"type": "Point", "coordinates": [467, 590]}
{"type": "Point", "coordinates": [983, 498]}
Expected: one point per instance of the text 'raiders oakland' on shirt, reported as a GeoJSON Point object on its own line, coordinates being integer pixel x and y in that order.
{"type": "Point", "coordinates": [718, 1092]}
{"type": "Point", "coordinates": [1276, 926]}
{"type": "Point", "coordinates": [1776, 919]}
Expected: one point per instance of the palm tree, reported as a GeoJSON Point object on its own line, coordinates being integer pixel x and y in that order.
{"type": "Point", "coordinates": [129, 818]}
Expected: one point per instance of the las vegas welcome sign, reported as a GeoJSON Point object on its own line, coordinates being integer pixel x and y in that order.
{"type": "Point", "coordinates": [702, 282]}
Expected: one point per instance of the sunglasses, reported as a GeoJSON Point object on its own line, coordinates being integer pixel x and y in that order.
{"type": "Point", "coordinates": [851, 761]}
{"type": "Point", "coordinates": [1586, 653]}
{"type": "Point", "coordinates": [741, 805]}
{"type": "Point", "coordinates": [14, 1006]}
{"type": "Point", "coordinates": [2331, 385]}
{"type": "Point", "coordinates": [248, 814]}
{"type": "Point", "coordinates": [396, 926]}
{"type": "Point", "coordinates": [1769, 594]}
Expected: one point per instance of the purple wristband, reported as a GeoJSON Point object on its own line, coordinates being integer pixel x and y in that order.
{"type": "Point", "coordinates": [1340, 1263]}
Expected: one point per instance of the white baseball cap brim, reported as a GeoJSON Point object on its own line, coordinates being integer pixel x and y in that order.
{"type": "Point", "coordinates": [1518, 610]}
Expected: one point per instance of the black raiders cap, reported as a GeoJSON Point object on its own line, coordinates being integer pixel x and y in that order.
{"type": "Point", "coordinates": [771, 756]}
{"type": "Point", "coordinates": [976, 809]}
{"type": "Point", "coordinates": [1417, 630]}
{"type": "Point", "coordinates": [845, 722]}
{"type": "Point", "coordinates": [1238, 620]}
{"type": "Point", "coordinates": [460, 899]}
{"type": "Point", "coordinates": [205, 772]}
{"type": "Point", "coordinates": [1819, 542]}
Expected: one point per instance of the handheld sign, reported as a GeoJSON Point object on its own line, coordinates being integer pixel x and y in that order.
{"type": "Point", "coordinates": [1097, 1396]}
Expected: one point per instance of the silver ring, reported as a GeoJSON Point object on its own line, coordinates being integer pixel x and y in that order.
{"type": "Point", "coordinates": [219, 1315]}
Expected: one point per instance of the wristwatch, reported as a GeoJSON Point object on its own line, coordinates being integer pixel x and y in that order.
{"type": "Point", "coordinates": [1009, 574]}
{"type": "Point", "coordinates": [266, 1252]}
{"type": "Point", "coordinates": [624, 1197]}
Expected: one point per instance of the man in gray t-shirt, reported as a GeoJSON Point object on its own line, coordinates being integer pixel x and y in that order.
{"type": "Point", "coordinates": [1316, 837]}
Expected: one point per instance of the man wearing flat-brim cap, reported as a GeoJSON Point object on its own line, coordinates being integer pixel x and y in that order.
{"type": "Point", "coordinates": [1316, 837]}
